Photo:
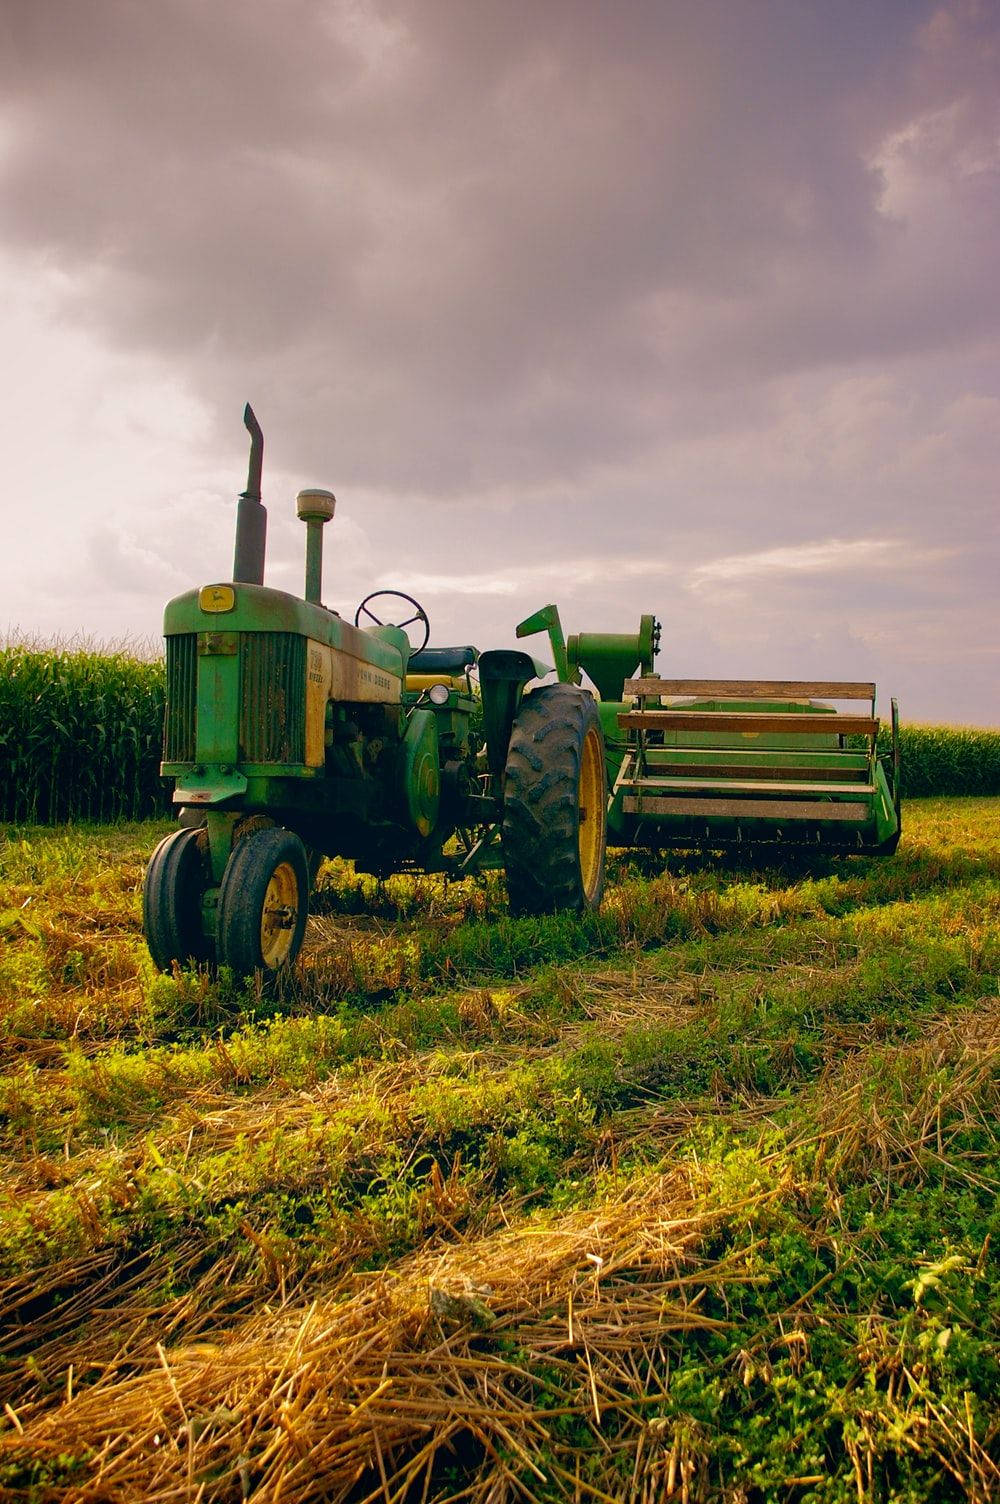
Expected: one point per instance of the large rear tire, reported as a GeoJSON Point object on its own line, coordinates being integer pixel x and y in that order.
{"type": "Point", "coordinates": [555, 803]}
{"type": "Point", "coordinates": [263, 903]}
{"type": "Point", "coordinates": [175, 881]}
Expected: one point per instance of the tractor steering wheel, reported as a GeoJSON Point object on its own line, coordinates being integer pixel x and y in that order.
{"type": "Point", "coordinates": [419, 614]}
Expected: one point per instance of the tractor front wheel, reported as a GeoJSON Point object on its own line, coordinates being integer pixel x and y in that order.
{"type": "Point", "coordinates": [171, 901]}
{"type": "Point", "coordinates": [555, 803]}
{"type": "Point", "coordinates": [263, 903]}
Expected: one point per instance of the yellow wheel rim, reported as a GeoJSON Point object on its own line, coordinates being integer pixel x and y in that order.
{"type": "Point", "coordinates": [593, 813]}
{"type": "Point", "coordinates": [279, 915]}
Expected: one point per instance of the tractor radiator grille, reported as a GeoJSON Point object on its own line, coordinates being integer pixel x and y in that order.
{"type": "Point", "coordinates": [272, 697]}
{"type": "Point", "coordinates": [182, 673]}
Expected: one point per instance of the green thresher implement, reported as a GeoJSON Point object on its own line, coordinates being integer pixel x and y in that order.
{"type": "Point", "coordinates": [292, 734]}
{"type": "Point", "coordinates": [710, 764]}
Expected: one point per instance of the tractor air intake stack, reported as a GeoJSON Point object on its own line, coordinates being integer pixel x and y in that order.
{"type": "Point", "coordinates": [251, 518]}
{"type": "Point", "coordinates": [315, 507]}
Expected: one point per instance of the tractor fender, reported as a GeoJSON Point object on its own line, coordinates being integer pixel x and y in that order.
{"type": "Point", "coordinates": [503, 674]}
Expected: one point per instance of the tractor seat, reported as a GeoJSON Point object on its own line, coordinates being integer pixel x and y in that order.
{"type": "Point", "coordinates": [442, 660]}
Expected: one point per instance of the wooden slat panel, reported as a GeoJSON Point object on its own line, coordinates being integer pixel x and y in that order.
{"type": "Point", "coordinates": [749, 754]}
{"type": "Point", "coordinates": [743, 720]}
{"type": "Point", "coordinates": [754, 809]}
{"type": "Point", "coordinates": [724, 771]}
{"type": "Point", "coordinates": [752, 689]}
{"type": "Point", "coordinates": [751, 786]}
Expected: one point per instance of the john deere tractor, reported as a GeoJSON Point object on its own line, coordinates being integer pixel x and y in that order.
{"type": "Point", "coordinates": [292, 734]}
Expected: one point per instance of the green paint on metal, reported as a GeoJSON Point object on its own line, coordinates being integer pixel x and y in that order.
{"type": "Point", "coordinates": [217, 727]}
{"type": "Point", "coordinates": [419, 770]}
{"type": "Point", "coordinates": [209, 786]}
{"type": "Point", "coordinates": [547, 620]}
{"type": "Point", "coordinates": [394, 638]}
{"type": "Point", "coordinates": [607, 658]}
{"type": "Point", "coordinates": [503, 674]}
{"type": "Point", "coordinates": [258, 608]}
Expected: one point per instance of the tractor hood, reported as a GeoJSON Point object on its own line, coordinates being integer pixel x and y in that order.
{"type": "Point", "coordinates": [231, 608]}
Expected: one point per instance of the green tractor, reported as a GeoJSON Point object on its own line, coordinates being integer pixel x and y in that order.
{"type": "Point", "coordinates": [708, 764]}
{"type": "Point", "coordinates": [292, 734]}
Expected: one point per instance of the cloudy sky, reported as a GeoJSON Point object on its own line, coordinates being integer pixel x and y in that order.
{"type": "Point", "coordinates": [687, 306]}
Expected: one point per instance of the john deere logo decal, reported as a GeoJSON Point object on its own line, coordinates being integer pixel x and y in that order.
{"type": "Point", "coordinates": [217, 598]}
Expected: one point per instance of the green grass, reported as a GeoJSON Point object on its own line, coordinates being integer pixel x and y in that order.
{"type": "Point", "coordinates": [697, 1195]}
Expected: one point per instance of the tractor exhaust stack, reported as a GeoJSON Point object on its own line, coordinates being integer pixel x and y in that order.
{"type": "Point", "coordinates": [251, 518]}
{"type": "Point", "coordinates": [315, 507]}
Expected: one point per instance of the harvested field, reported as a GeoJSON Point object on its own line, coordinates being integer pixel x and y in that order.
{"type": "Point", "coordinates": [693, 1200]}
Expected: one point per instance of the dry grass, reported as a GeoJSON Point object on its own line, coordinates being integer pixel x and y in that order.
{"type": "Point", "coordinates": [398, 1365]}
{"type": "Point", "coordinates": [468, 1354]}
{"type": "Point", "coordinates": [703, 1222]}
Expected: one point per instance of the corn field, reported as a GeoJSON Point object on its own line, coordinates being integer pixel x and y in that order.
{"type": "Point", "coordinates": [81, 729]}
{"type": "Point", "coordinates": [80, 735]}
{"type": "Point", "coordinates": [947, 760]}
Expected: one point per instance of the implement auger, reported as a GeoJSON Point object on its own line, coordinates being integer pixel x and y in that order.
{"type": "Point", "coordinates": [292, 734]}
{"type": "Point", "coordinates": [705, 763]}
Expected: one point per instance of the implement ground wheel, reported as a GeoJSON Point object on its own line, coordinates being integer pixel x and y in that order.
{"type": "Point", "coordinates": [555, 803]}
{"type": "Point", "coordinates": [175, 881]}
{"type": "Point", "coordinates": [263, 903]}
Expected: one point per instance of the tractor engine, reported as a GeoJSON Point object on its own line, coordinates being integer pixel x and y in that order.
{"type": "Point", "coordinates": [269, 696]}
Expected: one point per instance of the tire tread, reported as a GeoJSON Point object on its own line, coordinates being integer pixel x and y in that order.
{"type": "Point", "coordinates": [241, 896]}
{"type": "Point", "coordinates": [541, 800]}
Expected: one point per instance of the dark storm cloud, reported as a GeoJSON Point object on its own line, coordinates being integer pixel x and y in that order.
{"type": "Point", "coordinates": [493, 244]}
{"type": "Point", "coordinates": [690, 307]}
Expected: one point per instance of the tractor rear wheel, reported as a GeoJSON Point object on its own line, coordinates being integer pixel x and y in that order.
{"type": "Point", "coordinates": [263, 903]}
{"type": "Point", "coordinates": [175, 881]}
{"type": "Point", "coordinates": [555, 803]}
